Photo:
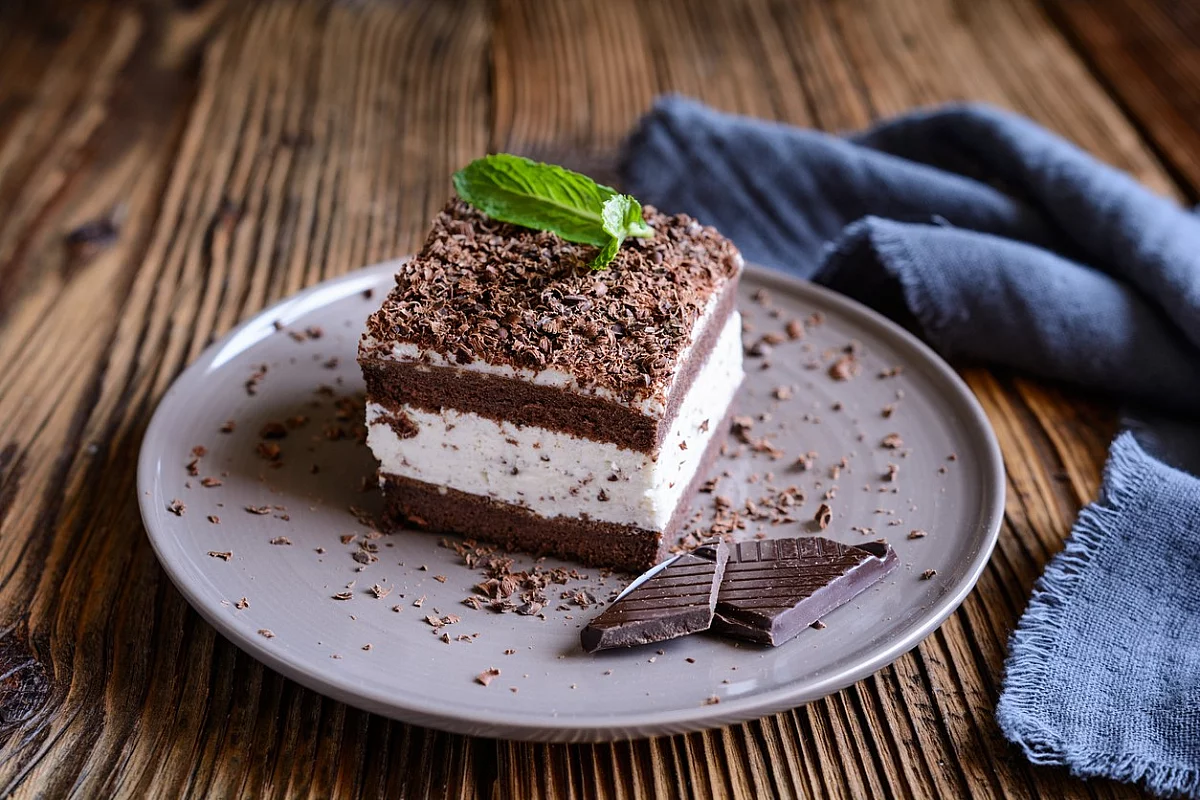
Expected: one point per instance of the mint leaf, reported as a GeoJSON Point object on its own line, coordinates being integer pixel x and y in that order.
{"type": "Point", "coordinates": [621, 217]}
{"type": "Point", "coordinates": [549, 198]}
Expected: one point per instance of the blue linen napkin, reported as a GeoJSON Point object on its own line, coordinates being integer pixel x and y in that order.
{"type": "Point", "coordinates": [1000, 242]}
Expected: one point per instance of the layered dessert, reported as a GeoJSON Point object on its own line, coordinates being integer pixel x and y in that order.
{"type": "Point", "coordinates": [516, 395]}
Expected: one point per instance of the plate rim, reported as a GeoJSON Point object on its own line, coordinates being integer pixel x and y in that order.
{"type": "Point", "coordinates": [593, 728]}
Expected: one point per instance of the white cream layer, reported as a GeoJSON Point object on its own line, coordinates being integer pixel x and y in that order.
{"type": "Point", "coordinates": [557, 474]}
{"type": "Point", "coordinates": [654, 405]}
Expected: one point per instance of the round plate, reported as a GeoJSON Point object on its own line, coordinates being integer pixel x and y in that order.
{"type": "Point", "coordinates": [272, 556]}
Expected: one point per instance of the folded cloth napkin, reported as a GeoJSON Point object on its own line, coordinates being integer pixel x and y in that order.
{"type": "Point", "coordinates": [998, 241]}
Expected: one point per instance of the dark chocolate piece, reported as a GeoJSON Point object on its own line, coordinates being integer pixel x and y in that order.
{"type": "Point", "coordinates": [775, 588]}
{"type": "Point", "coordinates": [673, 599]}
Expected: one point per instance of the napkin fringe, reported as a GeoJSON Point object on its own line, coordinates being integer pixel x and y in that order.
{"type": "Point", "coordinates": [1034, 643]}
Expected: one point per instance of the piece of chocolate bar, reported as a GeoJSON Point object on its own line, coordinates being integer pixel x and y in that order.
{"type": "Point", "coordinates": [673, 599]}
{"type": "Point", "coordinates": [775, 588]}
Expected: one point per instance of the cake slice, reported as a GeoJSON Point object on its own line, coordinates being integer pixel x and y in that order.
{"type": "Point", "coordinates": [517, 396]}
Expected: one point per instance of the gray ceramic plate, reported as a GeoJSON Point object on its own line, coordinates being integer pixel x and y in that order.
{"type": "Point", "coordinates": [950, 484]}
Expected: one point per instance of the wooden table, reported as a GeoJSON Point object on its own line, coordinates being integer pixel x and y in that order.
{"type": "Point", "coordinates": [167, 169]}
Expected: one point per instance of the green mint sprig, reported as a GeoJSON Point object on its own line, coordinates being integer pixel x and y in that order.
{"type": "Point", "coordinates": [546, 197]}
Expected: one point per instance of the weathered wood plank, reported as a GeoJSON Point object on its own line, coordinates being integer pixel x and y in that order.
{"type": "Point", "coordinates": [1148, 53]}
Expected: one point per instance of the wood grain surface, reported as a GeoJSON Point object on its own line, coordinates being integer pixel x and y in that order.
{"type": "Point", "coordinates": [167, 169]}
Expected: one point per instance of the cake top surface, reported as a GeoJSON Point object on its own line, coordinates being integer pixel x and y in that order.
{"type": "Point", "coordinates": [486, 291]}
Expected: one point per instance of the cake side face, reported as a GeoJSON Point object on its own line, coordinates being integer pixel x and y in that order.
{"type": "Point", "coordinates": [551, 473]}
{"type": "Point", "coordinates": [509, 302]}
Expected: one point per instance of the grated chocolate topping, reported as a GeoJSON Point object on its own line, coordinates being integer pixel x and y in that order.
{"type": "Point", "coordinates": [482, 290]}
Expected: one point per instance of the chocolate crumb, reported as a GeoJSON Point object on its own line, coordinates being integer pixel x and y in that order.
{"type": "Point", "coordinates": [209, 483]}
{"type": "Point", "coordinates": [891, 372]}
{"type": "Point", "coordinates": [805, 462]}
{"type": "Point", "coordinates": [242, 605]}
{"type": "Point", "coordinates": [823, 516]}
{"type": "Point", "coordinates": [344, 596]}
{"type": "Point", "coordinates": [228, 426]}
{"type": "Point", "coordinates": [759, 349]}
{"type": "Point", "coordinates": [269, 451]}
{"type": "Point", "coordinates": [177, 507]}
{"type": "Point", "coordinates": [281, 540]}
{"type": "Point", "coordinates": [892, 471]}
{"type": "Point", "coordinates": [818, 625]}
{"type": "Point", "coordinates": [253, 381]}
{"type": "Point", "coordinates": [272, 430]}
{"type": "Point", "coordinates": [420, 601]}
{"type": "Point", "coordinates": [794, 329]}
{"type": "Point", "coordinates": [266, 633]}
{"type": "Point", "coordinates": [712, 700]}
{"type": "Point", "coordinates": [366, 646]}
{"type": "Point", "coordinates": [214, 519]}
{"type": "Point", "coordinates": [259, 510]}
{"type": "Point", "coordinates": [892, 441]}
{"type": "Point", "coordinates": [224, 555]}
{"type": "Point", "coordinates": [844, 368]}
{"type": "Point", "coordinates": [887, 411]}
{"type": "Point", "coordinates": [440, 578]}
{"type": "Point", "coordinates": [917, 534]}
{"type": "Point", "coordinates": [487, 676]}
{"type": "Point", "coordinates": [782, 393]}
{"type": "Point", "coordinates": [927, 574]}
{"type": "Point", "coordinates": [740, 427]}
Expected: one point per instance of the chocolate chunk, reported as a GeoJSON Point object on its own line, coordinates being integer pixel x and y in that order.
{"type": "Point", "coordinates": [673, 599]}
{"type": "Point", "coordinates": [775, 588]}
